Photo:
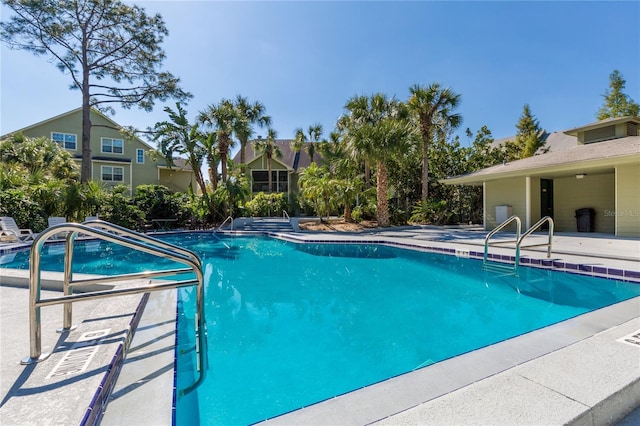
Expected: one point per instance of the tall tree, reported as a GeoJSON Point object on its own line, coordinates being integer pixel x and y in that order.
{"type": "Point", "coordinates": [222, 118]}
{"type": "Point", "coordinates": [616, 102]}
{"type": "Point", "coordinates": [376, 128]}
{"type": "Point", "coordinates": [529, 138]}
{"type": "Point", "coordinates": [110, 50]}
{"type": "Point", "coordinates": [433, 108]}
{"type": "Point", "coordinates": [269, 148]}
{"type": "Point", "coordinates": [247, 114]}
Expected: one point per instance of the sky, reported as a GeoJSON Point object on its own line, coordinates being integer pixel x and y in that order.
{"type": "Point", "coordinates": [304, 59]}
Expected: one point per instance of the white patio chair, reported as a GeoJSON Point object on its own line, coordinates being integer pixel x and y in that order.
{"type": "Point", "coordinates": [57, 220]}
{"type": "Point", "coordinates": [10, 227]}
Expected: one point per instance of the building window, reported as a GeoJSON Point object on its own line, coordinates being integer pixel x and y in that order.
{"type": "Point", "coordinates": [112, 174]}
{"type": "Point", "coordinates": [140, 156]}
{"type": "Point", "coordinates": [65, 140]}
{"type": "Point", "coordinates": [112, 146]}
{"type": "Point", "coordinates": [279, 181]}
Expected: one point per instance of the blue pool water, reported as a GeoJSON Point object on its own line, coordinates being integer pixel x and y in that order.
{"type": "Point", "coordinates": [291, 325]}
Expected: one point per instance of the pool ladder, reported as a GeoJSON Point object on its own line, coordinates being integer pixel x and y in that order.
{"type": "Point", "coordinates": [125, 237]}
{"type": "Point", "coordinates": [507, 267]}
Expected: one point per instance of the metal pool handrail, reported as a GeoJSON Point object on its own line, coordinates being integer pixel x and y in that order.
{"type": "Point", "coordinates": [127, 238]}
{"type": "Point", "coordinates": [537, 225]}
{"type": "Point", "coordinates": [224, 222]}
{"type": "Point", "coordinates": [495, 230]}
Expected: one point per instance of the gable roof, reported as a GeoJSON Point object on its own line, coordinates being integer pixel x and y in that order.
{"type": "Point", "coordinates": [594, 158]}
{"type": "Point", "coordinates": [75, 111]}
{"type": "Point", "coordinates": [292, 160]}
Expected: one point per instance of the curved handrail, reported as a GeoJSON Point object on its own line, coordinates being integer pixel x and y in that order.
{"type": "Point", "coordinates": [286, 215]}
{"type": "Point", "coordinates": [498, 228]}
{"type": "Point", "coordinates": [536, 226]}
{"type": "Point", "coordinates": [225, 221]}
{"type": "Point", "coordinates": [127, 238]}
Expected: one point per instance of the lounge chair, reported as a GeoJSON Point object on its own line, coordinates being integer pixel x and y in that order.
{"type": "Point", "coordinates": [57, 220]}
{"type": "Point", "coordinates": [88, 218]}
{"type": "Point", "coordinates": [9, 227]}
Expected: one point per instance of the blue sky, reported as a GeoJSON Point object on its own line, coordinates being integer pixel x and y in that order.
{"type": "Point", "coordinates": [304, 60]}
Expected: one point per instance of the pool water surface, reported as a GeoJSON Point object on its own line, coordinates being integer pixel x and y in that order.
{"type": "Point", "coordinates": [290, 325]}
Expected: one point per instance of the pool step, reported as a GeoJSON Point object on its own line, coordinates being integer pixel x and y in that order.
{"type": "Point", "coordinates": [266, 225]}
{"type": "Point", "coordinates": [505, 268]}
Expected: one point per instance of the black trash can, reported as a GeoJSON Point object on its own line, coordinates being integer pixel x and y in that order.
{"type": "Point", "coordinates": [585, 219]}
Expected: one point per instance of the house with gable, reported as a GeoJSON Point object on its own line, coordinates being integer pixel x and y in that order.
{"type": "Point", "coordinates": [285, 171]}
{"type": "Point", "coordinates": [115, 159]}
{"type": "Point", "coordinates": [592, 169]}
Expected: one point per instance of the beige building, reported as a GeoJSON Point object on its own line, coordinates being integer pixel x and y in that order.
{"type": "Point", "coordinates": [588, 181]}
{"type": "Point", "coordinates": [285, 171]}
{"type": "Point", "coordinates": [115, 159]}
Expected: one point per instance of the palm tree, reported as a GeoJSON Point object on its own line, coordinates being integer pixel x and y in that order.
{"type": "Point", "coordinates": [222, 118]}
{"type": "Point", "coordinates": [307, 140]}
{"type": "Point", "coordinates": [269, 148]}
{"type": "Point", "coordinates": [247, 115]}
{"type": "Point", "coordinates": [234, 190]}
{"type": "Point", "coordinates": [376, 128]}
{"type": "Point", "coordinates": [433, 107]}
{"type": "Point", "coordinates": [319, 189]}
{"type": "Point", "coordinates": [177, 135]}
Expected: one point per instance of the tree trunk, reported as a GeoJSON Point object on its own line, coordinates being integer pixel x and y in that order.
{"type": "Point", "coordinates": [426, 137]}
{"type": "Point", "coordinates": [367, 175]}
{"type": "Point", "coordinates": [269, 171]}
{"type": "Point", "coordinates": [85, 170]}
{"type": "Point", "coordinates": [243, 146]}
{"type": "Point", "coordinates": [198, 175]}
{"type": "Point", "coordinates": [381, 194]}
{"type": "Point", "coordinates": [347, 213]}
{"type": "Point", "coordinates": [223, 146]}
{"type": "Point", "coordinates": [213, 178]}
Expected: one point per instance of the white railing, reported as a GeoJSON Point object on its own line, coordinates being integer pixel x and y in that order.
{"type": "Point", "coordinates": [230, 218]}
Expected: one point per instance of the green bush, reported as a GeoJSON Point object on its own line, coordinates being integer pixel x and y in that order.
{"type": "Point", "coordinates": [265, 205]}
{"type": "Point", "coordinates": [158, 202]}
{"type": "Point", "coordinates": [433, 212]}
{"type": "Point", "coordinates": [20, 206]}
{"type": "Point", "coordinates": [121, 210]}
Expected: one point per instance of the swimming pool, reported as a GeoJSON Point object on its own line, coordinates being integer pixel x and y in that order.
{"type": "Point", "coordinates": [290, 325]}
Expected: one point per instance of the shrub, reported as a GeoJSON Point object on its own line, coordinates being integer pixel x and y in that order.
{"type": "Point", "coordinates": [265, 205]}
{"type": "Point", "coordinates": [432, 212]}
{"type": "Point", "coordinates": [157, 202]}
{"type": "Point", "coordinates": [121, 210]}
{"type": "Point", "coordinates": [19, 205]}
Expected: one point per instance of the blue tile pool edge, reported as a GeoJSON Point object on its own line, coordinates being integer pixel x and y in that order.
{"type": "Point", "coordinates": [548, 264]}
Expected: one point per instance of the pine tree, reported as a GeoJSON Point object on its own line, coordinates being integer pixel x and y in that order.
{"type": "Point", "coordinates": [616, 102]}
{"type": "Point", "coordinates": [529, 137]}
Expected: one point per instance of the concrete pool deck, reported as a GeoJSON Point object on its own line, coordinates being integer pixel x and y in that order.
{"type": "Point", "coordinates": [575, 372]}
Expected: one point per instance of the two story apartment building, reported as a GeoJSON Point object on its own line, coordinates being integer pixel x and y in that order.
{"type": "Point", "coordinates": [115, 159]}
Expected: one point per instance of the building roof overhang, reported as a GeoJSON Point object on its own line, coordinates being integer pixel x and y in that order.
{"type": "Point", "coordinates": [595, 158]}
{"type": "Point", "coordinates": [602, 123]}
